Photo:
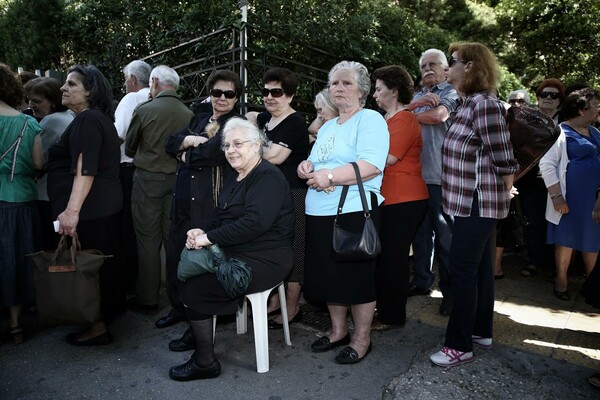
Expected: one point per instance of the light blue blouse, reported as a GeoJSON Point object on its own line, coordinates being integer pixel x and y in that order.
{"type": "Point", "coordinates": [363, 137]}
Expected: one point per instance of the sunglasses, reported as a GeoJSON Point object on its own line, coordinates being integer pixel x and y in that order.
{"type": "Point", "coordinates": [276, 92]}
{"type": "Point", "coordinates": [520, 101]}
{"type": "Point", "coordinates": [552, 95]}
{"type": "Point", "coordinates": [454, 61]}
{"type": "Point", "coordinates": [229, 94]}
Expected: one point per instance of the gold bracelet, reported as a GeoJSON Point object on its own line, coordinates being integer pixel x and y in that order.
{"type": "Point", "coordinates": [555, 195]}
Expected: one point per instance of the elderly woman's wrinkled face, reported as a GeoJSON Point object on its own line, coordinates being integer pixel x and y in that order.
{"type": "Point", "coordinates": [74, 97]}
{"type": "Point", "coordinates": [40, 105]}
{"type": "Point", "coordinates": [590, 114]}
{"type": "Point", "coordinates": [275, 99]}
{"type": "Point", "coordinates": [221, 97]}
{"type": "Point", "coordinates": [549, 98]}
{"type": "Point", "coordinates": [240, 151]}
{"type": "Point", "coordinates": [344, 89]}
{"type": "Point", "coordinates": [324, 112]}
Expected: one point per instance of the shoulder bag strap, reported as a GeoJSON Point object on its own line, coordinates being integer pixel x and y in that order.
{"type": "Point", "coordinates": [361, 190]}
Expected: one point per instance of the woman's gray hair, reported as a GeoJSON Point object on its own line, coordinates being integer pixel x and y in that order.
{"type": "Point", "coordinates": [324, 99]}
{"type": "Point", "coordinates": [520, 91]}
{"type": "Point", "coordinates": [166, 75]}
{"type": "Point", "coordinates": [361, 76]}
{"type": "Point", "coordinates": [252, 132]}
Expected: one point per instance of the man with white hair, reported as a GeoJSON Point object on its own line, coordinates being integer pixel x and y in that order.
{"type": "Point", "coordinates": [518, 98]}
{"type": "Point", "coordinates": [433, 106]}
{"type": "Point", "coordinates": [152, 122]}
{"type": "Point", "coordinates": [137, 78]}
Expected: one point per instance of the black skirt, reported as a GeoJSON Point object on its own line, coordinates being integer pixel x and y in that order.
{"type": "Point", "coordinates": [337, 282]}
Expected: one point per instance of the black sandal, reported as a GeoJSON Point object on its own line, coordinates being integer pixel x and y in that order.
{"type": "Point", "coordinates": [594, 380]}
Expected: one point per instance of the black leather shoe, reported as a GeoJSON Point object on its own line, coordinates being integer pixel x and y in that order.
{"type": "Point", "coordinates": [184, 343]}
{"type": "Point", "coordinates": [417, 291]}
{"type": "Point", "coordinates": [190, 371]}
{"type": "Point", "coordinates": [100, 340]}
{"type": "Point", "coordinates": [169, 320]}
{"type": "Point", "coordinates": [323, 344]}
{"type": "Point", "coordinates": [276, 325]}
{"type": "Point", "coordinates": [134, 305]}
{"type": "Point", "coordinates": [563, 295]}
{"type": "Point", "coordinates": [350, 356]}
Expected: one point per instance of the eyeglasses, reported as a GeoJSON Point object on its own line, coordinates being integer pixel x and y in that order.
{"type": "Point", "coordinates": [236, 145]}
{"type": "Point", "coordinates": [431, 65]}
{"type": "Point", "coordinates": [513, 101]}
{"type": "Point", "coordinates": [275, 92]}
{"type": "Point", "coordinates": [229, 94]}
{"type": "Point", "coordinates": [552, 95]}
{"type": "Point", "coordinates": [454, 61]}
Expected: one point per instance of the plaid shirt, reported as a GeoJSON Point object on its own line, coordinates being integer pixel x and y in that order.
{"type": "Point", "coordinates": [475, 154]}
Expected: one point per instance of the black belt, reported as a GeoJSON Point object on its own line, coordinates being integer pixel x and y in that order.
{"type": "Point", "coordinates": [127, 165]}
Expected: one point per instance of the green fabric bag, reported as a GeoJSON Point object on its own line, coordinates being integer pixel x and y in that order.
{"type": "Point", "coordinates": [195, 262]}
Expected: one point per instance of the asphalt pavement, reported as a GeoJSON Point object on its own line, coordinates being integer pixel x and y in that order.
{"type": "Point", "coordinates": [544, 348]}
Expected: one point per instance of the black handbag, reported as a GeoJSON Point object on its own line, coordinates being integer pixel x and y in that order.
{"type": "Point", "coordinates": [511, 231]}
{"type": "Point", "coordinates": [532, 134]}
{"type": "Point", "coordinates": [355, 246]}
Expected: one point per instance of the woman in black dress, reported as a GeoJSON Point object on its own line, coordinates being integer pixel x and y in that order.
{"type": "Point", "coordinates": [287, 133]}
{"type": "Point", "coordinates": [84, 188]}
{"type": "Point", "coordinates": [253, 222]}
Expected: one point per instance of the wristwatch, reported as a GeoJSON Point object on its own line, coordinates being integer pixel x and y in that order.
{"type": "Point", "coordinates": [330, 177]}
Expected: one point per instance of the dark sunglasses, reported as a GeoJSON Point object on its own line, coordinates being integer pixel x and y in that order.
{"type": "Point", "coordinates": [229, 94]}
{"type": "Point", "coordinates": [552, 95]}
{"type": "Point", "coordinates": [520, 101]}
{"type": "Point", "coordinates": [276, 92]}
{"type": "Point", "coordinates": [454, 61]}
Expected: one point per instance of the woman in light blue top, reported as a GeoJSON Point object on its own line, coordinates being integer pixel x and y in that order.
{"type": "Point", "coordinates": [357, 135]}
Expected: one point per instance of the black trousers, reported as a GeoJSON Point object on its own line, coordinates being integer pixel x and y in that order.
{"type": "Point", "coordinates": [128, 254]}
{"type": "Point", "coordinates": [399, 224]}
{"type": "Point", "coordinates": [180, 224]}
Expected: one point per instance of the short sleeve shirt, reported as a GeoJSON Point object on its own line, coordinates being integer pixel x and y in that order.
{"type": "Point", "coordinates": [363, 137]}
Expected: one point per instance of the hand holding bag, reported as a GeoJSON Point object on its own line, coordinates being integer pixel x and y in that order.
{"type": "Point", "coordinates": [355, 246]}
{"type": "Point", "coordinates": [67, 284]}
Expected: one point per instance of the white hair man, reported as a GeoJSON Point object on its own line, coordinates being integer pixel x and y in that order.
{"type": "Point", "coordinates": [433, 105]}
{"type": "Point", "coordinates": [152, 122]}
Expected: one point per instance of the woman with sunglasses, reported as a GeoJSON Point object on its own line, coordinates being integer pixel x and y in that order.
{"type": "Point", "coordinates": [288, 135]}
{"type": "Point", "coordinates": [478, 168]}
{"type": "Point", "coordinates": [201, 170]}
{"type": "Point", "coordinates": [550, 96]}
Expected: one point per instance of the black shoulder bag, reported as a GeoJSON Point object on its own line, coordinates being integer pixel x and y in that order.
{"type": "Point", "coordinates": [355, 246]}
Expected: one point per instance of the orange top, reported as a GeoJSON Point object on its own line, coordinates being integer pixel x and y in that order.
{"type": "Point", "coordinates": [402, 181]}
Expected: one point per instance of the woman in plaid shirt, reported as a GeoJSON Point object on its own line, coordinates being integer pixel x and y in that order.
{"type": "Point", "coordinates": [477, 175]}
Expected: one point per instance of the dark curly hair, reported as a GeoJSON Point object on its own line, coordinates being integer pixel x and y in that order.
{"type": "Point", "coordinates": [578, 101]}
{"type": "Point", "coordinates": [288, 80]}
{"type": "Point", "coordinates": [396, 77]}
{"type": "Point", "coordinates": [11, 89]}
{"type": "Point", "coordinates": [98, 86]}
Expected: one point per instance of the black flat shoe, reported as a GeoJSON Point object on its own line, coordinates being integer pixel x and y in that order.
{"type": "Point", "coordinates": [100, 340]}
{"type": "Point", "coordinates": [563, 295]}
{"type": "Point", "coordinates": [190, 371]}
{"type": "Point", "coordinates": [323, 344]}
{"type": "Point", "coordinates": [350, 356]}
{"type": "Point", "coordinates": [498, 277]}
{"type": "Point", "coordinates": [169, 320]}
{"type": "Point", "coordinates": [184, 343]}
{"type": "Point", "coordinates": [276, 325]}
{"type": "Point", "coordinates": [417, 291]}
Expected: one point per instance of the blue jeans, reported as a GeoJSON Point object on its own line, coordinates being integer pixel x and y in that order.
{"type": "Point", "coordinates": [434, 233]}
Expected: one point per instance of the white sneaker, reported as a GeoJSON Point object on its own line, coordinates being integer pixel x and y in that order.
{"type": "Point", "coordinates": [448, 357]}
{"type": "Point", "coordinates": [486, 343]}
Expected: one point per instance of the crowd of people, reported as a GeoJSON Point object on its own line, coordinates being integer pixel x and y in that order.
{"type": "Point", "coordinates": [436, 162]}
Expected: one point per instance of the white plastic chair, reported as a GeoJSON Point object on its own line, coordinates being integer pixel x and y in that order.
{"type": "Point", "coordinates": [259, 321]}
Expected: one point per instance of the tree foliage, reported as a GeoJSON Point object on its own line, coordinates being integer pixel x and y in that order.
{"type": "Point", "coordinates": [533, 39]}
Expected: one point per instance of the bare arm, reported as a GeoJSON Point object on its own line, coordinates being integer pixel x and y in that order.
{"type": "Point", "coordinates": [343, 175]}
{"type": "Point", "coordinates": [69, 218]}
{"type": "Point", "coordinates": [276, 154]}
{"type": "Point", "coordinates": [37, 153]}
{"type": "Point", "coordinates": [558, 201]}
{"type": "Point", "coordinates": [434, 116]}
{"type": "Point", "coordinates": [391, 160]}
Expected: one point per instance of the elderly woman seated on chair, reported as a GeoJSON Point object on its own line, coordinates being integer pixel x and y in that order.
{"type": "Point", "coordinates": [253, 222]}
